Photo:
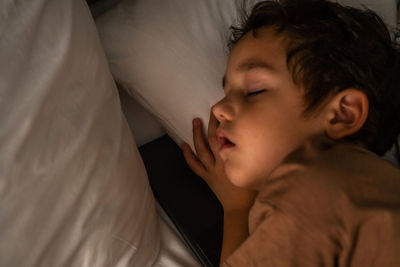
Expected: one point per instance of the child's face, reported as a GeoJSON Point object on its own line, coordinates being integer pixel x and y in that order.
{"type": "Point", "coordinates": [267, 126]}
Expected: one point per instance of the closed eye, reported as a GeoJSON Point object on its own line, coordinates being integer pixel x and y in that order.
{"type": "Point", "coordinates": [256, 92]}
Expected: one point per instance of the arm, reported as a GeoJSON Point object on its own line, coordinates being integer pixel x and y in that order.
{"type": "Point", "coordinates": [235, 201]}
{"type": "Point", "coordinates": [235, 232]}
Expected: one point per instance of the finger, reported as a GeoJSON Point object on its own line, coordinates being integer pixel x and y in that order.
{"type": "Point", "coordinates": [212, 125]}
{"type": "Point", "coordinates": [203, 151]}
{"type": "Point", "coordinates": [192, 160]}
{"type": "Point", "coordinates": [212, 137]}
{"type": "Point", "coordinates": [214, 146]}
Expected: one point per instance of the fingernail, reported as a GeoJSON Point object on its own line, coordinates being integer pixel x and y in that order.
{"type": "Point", "coordinates": [196, 123]}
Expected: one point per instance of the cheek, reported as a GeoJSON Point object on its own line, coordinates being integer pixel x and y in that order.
{"type": "Point", "coordinates": [252, 124]}
{"type": "Point", "coordinates": [261, 156]}
{"type": "Point", "coordinates": [246, 168]}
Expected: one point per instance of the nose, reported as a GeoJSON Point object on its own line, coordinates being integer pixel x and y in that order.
{"type": "Point", "coordinates": [223, 111]}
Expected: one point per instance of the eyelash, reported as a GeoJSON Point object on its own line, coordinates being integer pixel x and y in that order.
{"type": "Point", "coordinates": [256, 92]}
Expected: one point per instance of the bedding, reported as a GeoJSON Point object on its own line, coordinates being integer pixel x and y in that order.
{"type": "Point", "coordinates": [170, 55]}
{"type": "Point", "coordinates": [142, 123]}
{"type": "Point", "coordinates": [185, 197]}
{"type": "Point", "coordinates": [73, 187]}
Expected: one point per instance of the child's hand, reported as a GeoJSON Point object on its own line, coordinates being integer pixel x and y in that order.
{"type": "Point", "coordinates": [209, 166]}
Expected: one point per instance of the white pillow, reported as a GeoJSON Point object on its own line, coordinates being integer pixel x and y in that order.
{"type": "Point", "coordinates": [73, 187]}
{"type": "Point", "coordinates": [170, 55]}
{"type": "Point", "coordinates": [144, 126]}
{"type": "Point", "coordinates": [386, 9]}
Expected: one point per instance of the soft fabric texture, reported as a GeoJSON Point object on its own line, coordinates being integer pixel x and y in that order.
{"type": "Point", "coordinates": [327, 204]}
{"type": "Point", "coordinates": [170, 55]}
{"type": "Point", "coordinates": [73, 187]}
{"type": "Point", "coordinates": [144, 126]}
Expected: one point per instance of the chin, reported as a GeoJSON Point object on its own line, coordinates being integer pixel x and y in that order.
{"type": "Point", "coordinates": [234, 178]}
{"type": "Point", "coordinates": [242, 181]}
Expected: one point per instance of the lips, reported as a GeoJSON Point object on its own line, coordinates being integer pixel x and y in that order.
{"type": "Point", "coordinates": [223, 140]}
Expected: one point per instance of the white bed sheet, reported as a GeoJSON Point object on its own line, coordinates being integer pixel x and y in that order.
{"type": "Point", "coordinates": [73, 187]}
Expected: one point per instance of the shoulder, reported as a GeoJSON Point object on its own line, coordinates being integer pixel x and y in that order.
{"type": "Point", "coordinates": [335, 169]}
{"type": "Point", "coordinates": [324, 181]}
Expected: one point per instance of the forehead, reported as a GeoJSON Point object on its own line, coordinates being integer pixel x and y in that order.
{"type": "Point", "coordinates": [266, 50]}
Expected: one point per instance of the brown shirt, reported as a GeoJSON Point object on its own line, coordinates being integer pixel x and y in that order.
{"type": "Point", "coordinates": [328, 204]}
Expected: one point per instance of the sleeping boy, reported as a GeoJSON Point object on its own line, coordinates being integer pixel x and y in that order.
{"type": "Point", "coordinates": [312, 99]}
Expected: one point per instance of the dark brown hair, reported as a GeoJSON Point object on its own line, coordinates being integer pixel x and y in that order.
{"type": "Point", "coordinates": [331, 48]}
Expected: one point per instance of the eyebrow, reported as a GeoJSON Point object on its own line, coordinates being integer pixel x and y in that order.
{"type": "Point", "coordinates": [249, 65]}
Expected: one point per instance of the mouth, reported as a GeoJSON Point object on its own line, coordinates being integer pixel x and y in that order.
{"type": "Point", "coordinates": [223, 140]}
{"type": "Point", "coordinates": [225, 143]}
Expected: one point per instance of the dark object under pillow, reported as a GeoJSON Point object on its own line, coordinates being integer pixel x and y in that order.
{"type": "Point", "coordinates": [185, 197]}
{"type": "Point", "coordinates": [98, 7]}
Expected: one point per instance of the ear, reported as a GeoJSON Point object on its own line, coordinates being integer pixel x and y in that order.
{"type": "Point", "coordinates": [347, 113]}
